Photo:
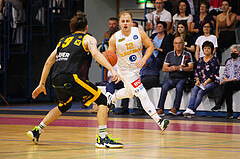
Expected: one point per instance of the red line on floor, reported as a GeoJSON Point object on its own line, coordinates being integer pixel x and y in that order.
{"type": "Point", "coordinates": [125, 125]}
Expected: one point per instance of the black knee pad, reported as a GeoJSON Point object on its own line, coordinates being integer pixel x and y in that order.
{"type": "Point", "coordinates": [63, 107]}
{"type": "Point", "coordinates": [102, 100]}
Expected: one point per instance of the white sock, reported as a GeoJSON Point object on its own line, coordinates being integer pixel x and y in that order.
{"type": "Point", "coordinates": [41, 126]}
{"type": "Point", "coordinates": [102, 131]}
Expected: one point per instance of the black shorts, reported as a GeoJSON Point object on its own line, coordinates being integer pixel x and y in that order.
{"type": "Point", "coordinates": [67, 85]}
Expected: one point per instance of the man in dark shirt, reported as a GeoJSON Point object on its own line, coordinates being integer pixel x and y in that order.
{"type": "Point", "coordinates": [178, 63]}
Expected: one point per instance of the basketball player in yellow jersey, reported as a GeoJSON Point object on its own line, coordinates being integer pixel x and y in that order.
{"type": "Point", "coordinates": [68, 57]}
{"type": "Point", "coordinates": [128, 44]}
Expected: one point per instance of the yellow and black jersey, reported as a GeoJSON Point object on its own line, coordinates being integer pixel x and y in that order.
{"type": "Point", "coordinates": [71, 54]}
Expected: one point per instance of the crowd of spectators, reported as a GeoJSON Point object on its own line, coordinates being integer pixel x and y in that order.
{"type": "Point", "coordinates": [189, 46]}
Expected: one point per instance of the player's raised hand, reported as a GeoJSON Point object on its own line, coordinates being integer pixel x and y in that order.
{"type": "Point", "coordinates": [41, 88]}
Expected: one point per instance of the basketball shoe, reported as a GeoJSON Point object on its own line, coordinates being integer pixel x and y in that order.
{"type": "Point", "coordinates": [108, 142]}
{"type": "Point", "coordinates": [163, 123]}
{"type": "Point", "coordinates": [34, 135]}
{"type": "Point", "coordinates": [110, 103]}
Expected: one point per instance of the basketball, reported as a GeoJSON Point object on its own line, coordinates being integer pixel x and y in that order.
{"type": "Point", "coordinates": [111, 57]}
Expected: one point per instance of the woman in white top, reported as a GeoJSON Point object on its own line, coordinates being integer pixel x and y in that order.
{"type": "Point", "coordinates": [207, 36]}
{"type": "Point", "coordinates": [183, 14]}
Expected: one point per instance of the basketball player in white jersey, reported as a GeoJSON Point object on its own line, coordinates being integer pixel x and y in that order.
{"type": "Point", "coordinates": [128, 44]}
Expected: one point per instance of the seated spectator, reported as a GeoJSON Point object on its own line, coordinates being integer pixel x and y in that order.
{"type": "Point", "coordinates": [203, 15]}
{"type": "Point", "coordinates": [149, 79]}
{"type": "Point", "coordinates": [162, 43]}
{"type": "Point", "coordinates": [110, 87]}
{"type": "Point", "coordinates": [112, 28]}
{"type": "Point", "coordinates": [230, 83]}
{"type": "Point", "coordinates": [207, 28]}
{"type": "Point", "coordinates": [183, 13]}
{"type": "Point", "coordinates": [160, 14]}
{"type": "Point", "coordinates": [226, 24]}
{"type": "Point", "coordinates": [178, 63]}
{"type": "Point", "coordinates": [182, 31]}
{"type": "Point", "coordinates": [206, 74]}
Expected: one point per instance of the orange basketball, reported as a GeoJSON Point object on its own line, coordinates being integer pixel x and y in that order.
{"type": "Point", "coordinates": [111, 57]}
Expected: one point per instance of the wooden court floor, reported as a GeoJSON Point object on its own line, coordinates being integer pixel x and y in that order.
{"type": "Point", "coordinates": [73, 137]}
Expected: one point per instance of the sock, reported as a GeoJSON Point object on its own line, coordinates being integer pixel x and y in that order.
{"type": "Point", "coordinates": [41, 126]}
{"type": "Point", "coordinates": [102, 131]}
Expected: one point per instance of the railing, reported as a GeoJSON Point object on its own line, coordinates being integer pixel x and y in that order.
{"type": "Point", "coordinates": [11, 39]}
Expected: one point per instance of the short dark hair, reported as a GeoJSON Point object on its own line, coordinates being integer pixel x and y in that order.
{"type": "Point", "coordinates": [208, 44]}
{"type": "Point", "coordinates": [184, 23]}
{"type": "Point", "coordinates": [210, 23]}
{"type": "Point", "coordinates": [136, 24]}
{"type": "Point", "coordinates": [163, 23]}
{"type": "Point", "coordinates": [113, 18]}
{"type": "Point", "coordinates": [228, 2]}
{"type": "Point", "coordinates": [206, 3]}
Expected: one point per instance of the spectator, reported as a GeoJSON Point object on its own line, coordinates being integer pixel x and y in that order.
{"type": "Point", "coordinates": [135, 24]}
{"type": "Point", "coordinates": [162, 43]}
{"type": "Point", "coordinates": [203, 15]}
{"type": "Point", "coordinates": [112, 28]}
{"type": "Point", "coordinates": [160, 14]}
{"type": "Point", "coordinates": [110, 87]}
{"type": "Point", "coordinates": [226, 24]}
{"type": "Point", "coordinates": [182, 31]}
{"type": "Point", "coordinates": [207, 28]}
{"type": "Point", "coordinates": [206, 75]}
{"type": "Point", "coordinates": [178, 63]}
{"type": "Point", "coordinates": [183, 13]}
{"type": "Point", "coordinates": [231, 82]}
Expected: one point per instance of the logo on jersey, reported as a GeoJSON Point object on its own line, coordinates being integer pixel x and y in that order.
{"type": "Point", "coordinates": [122, 54]}
{"type": "Point", "coordinates": [137, 90]}
{"type": "Point", "coordinates": [133, 58]}
{"type": "Point", "coordinates": [135, 37]}
{"type": "Point", "coordinates": [120, 40]}
{"type": "Point", "coordinates": [136, 83]}
{"type": "Point", "coordinates": [62, 56]}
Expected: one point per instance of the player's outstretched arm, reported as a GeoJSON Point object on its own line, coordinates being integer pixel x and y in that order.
{"type": "Point", "coordinates": [91, 44]}
{"type": "Point", "coordinates": [46, 69]}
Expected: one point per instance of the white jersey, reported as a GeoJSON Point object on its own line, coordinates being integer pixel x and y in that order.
{"type": "Point", "coordinates": [128, 50]}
